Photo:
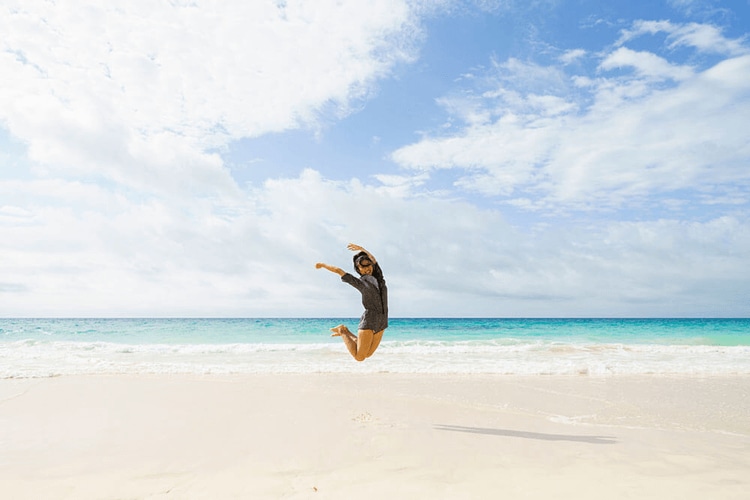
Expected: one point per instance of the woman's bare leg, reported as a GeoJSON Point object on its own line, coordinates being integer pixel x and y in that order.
{"type": "Point", "coordinates": [360, 347]}
{"type": "Point", "coordinates": [375, 342]}
{"type": "Point", "coordinates": [364, 344]}
{"type": "Point", "coordinates": [350, 340]}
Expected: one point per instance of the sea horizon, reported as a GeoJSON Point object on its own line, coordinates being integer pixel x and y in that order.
{"type": "Point", "coordinates": [41, 347]}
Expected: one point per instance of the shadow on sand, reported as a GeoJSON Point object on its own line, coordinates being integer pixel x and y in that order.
{"type": "Point", "coordinates": [529, 435]}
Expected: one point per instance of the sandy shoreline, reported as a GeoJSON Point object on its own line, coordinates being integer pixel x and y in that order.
{"type": "Point", "coordinates": [375, 436]}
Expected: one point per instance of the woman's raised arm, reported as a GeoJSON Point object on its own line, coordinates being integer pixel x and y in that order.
{"type": "Point", "coordinates": [357, 248]}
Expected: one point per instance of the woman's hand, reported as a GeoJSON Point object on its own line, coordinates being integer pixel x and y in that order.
{"type": "Point", "coordinates": [357, 248]}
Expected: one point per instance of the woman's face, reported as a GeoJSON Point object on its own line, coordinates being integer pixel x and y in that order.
{"type": "Point", "coordinates": [364, 266]}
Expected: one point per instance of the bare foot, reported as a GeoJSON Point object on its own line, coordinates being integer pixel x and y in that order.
{"type": "Point", "coordinates": [340, 330]}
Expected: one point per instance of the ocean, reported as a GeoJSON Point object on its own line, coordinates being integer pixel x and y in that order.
{"type": "Point", "coordinates": [31, 348]}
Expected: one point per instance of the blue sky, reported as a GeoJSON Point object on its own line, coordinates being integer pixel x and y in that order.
{"type": "Point", "coordinates": [501, 158]}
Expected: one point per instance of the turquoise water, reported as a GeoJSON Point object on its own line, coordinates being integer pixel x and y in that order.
{"type": "Point", "coordinates": [720, 332]}
{"type": "Point", "coordinates": [47, 347]}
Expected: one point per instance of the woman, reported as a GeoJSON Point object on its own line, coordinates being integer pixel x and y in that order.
{"type": "Point", "coordinates": [374, 320]}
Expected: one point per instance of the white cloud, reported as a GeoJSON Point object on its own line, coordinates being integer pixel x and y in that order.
{"type": "Point", "coordinates": [140, 92]}
{"type": "Point", "coordinates": [440, 256]}
{"type": "Point", "coordinates": [605, 141]}
{"type": "Point", "coordinates": [116, 201]}
{"type": "Point", "coordinates": [703, 37]}
{"type": "Point", "coordinates": [705, 9]}
{"type": "Point", "coordinates": [646, 64]}
{"type": "Point", "coordinates": [571, 56]}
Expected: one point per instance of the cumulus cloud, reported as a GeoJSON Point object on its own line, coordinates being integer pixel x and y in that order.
{"type": "Point", "coordinates": [645, 64]}
{"type": "Point", "coordinates": [143, 93]}
{"type": "Point", "coordinates": [213, 257]}
{"type": "Point", "coordinates": [642, 125]}
{"type": "Point", "coordinates": [573, 55]}
{"type": "Point", "coordinates": [115, 196]}
{"type": "Point", "coordinates": [441, 257]}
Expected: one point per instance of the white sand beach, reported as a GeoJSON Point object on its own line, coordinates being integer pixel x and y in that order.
{"type": "Point", "coordinates": [374, 436]}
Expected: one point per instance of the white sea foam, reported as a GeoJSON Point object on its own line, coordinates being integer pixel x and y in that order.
{"type": "Point", "coordinates": [35, 358]}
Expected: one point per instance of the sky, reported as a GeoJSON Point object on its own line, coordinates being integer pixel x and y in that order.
{"type": "Point", "coordinates": [500, 158]}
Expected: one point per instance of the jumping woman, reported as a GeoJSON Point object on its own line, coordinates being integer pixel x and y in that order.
{"type": "Point", "coordinates": [374, 320]}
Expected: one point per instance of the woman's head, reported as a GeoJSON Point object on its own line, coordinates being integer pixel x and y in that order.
{"type": "Point", "coordinates": [363, 264]}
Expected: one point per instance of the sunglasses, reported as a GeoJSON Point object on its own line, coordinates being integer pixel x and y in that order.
{"type": "Point", "coordinates": [364, 263]}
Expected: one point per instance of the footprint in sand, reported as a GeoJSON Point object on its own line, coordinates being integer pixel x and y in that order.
{"type": "Point", "coordinates": [364, 418]}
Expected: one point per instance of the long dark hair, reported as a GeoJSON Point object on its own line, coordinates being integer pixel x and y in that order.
{"type": "Point", "coordinates": [378, 274]}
